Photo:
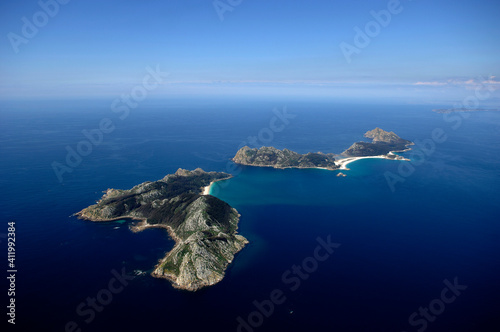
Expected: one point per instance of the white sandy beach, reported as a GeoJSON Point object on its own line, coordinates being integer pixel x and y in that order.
{"type": "Point", "coordinates": [343, 162]}
{"type": "Point", "coordinates": [206, 190]}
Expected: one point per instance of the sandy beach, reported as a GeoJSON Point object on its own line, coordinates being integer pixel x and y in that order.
{"type": "Point", "coordinates": [206, 190]}
{"type": "Point", "coordinates": [344, 162]}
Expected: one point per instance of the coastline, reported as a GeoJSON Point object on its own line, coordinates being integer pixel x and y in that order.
{"type": "Point", "coordinates": [276, 158]}
{"type": "Point", "coordinates": [286, 167]}
{"type": "Point", "coordinates": [206, 190]}
{"type": "Point", "coordinates": [80, 215]}
{"type": "Point", "coordinates": [157, 271]}
{"type": "Point", "coordinates": [341, 163]}
{"type": "Point", "coordinates": [181, 265]}
{"type": "Point", "coordinates": [344, 162]}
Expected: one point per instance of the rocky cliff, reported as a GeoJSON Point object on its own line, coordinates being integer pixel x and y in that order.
{"type": "Point", "coordinates": [272, 157]}
{"type": "Point", "coordinates": [203, 227]}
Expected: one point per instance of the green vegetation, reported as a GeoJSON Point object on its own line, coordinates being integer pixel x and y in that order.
{"type": "Point", "coordinates": [270, 156]}
{"type": "Point", "coordinates": [204, 227]}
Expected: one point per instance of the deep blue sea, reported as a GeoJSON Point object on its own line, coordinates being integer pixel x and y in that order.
{"type": "Point", "coordinates": [399, 249]}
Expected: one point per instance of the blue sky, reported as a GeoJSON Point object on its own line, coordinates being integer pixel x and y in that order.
{"type": "Point", "coordinates": [429, 51]}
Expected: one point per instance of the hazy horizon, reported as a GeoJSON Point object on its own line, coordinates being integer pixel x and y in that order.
{"type": "Point", "coordinates": [412, 51]}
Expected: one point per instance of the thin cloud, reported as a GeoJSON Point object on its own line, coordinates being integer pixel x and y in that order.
{"type": "Point", "coordinates": [431, 83]}
{"type": "Point", "coordinates": [466, 83]}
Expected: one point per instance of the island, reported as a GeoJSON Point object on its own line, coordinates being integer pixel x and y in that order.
{"type": "Point", "coordinates": [383, 145]}
{"type": "Point", "coordinates": [203, 227]}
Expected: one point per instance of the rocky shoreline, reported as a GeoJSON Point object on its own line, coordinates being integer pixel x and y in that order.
{"type": "Point", "coordinates": [204, 228]}
{"type": "Point", "coordinates": [384, 145]}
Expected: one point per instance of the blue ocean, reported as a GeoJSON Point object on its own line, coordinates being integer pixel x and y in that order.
{"type": "Point", "coordinates": [393, 246]}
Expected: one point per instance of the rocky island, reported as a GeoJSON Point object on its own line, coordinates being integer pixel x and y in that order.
{"type": "Point", "coordinates": [204, 227]}
{"type": "Point", "coordinates": [272, 157]}
{"type": "Point", "coordinates": [383, 145]}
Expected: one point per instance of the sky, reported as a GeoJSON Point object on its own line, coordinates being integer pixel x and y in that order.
{"type": "Point", "coordinates": [417, 51]}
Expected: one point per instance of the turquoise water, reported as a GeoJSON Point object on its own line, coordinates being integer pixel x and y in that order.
{"type": "Point", "coordinates": [309, 187]}
{"type": "Point", "coordinates": [396, 246]}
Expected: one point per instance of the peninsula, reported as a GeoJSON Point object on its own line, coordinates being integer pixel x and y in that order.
{"type": "Point", "coordinates": [204, 227]}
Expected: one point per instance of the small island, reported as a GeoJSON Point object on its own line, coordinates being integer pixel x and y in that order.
{"type": "Point", "coordinates": [204, 227]}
